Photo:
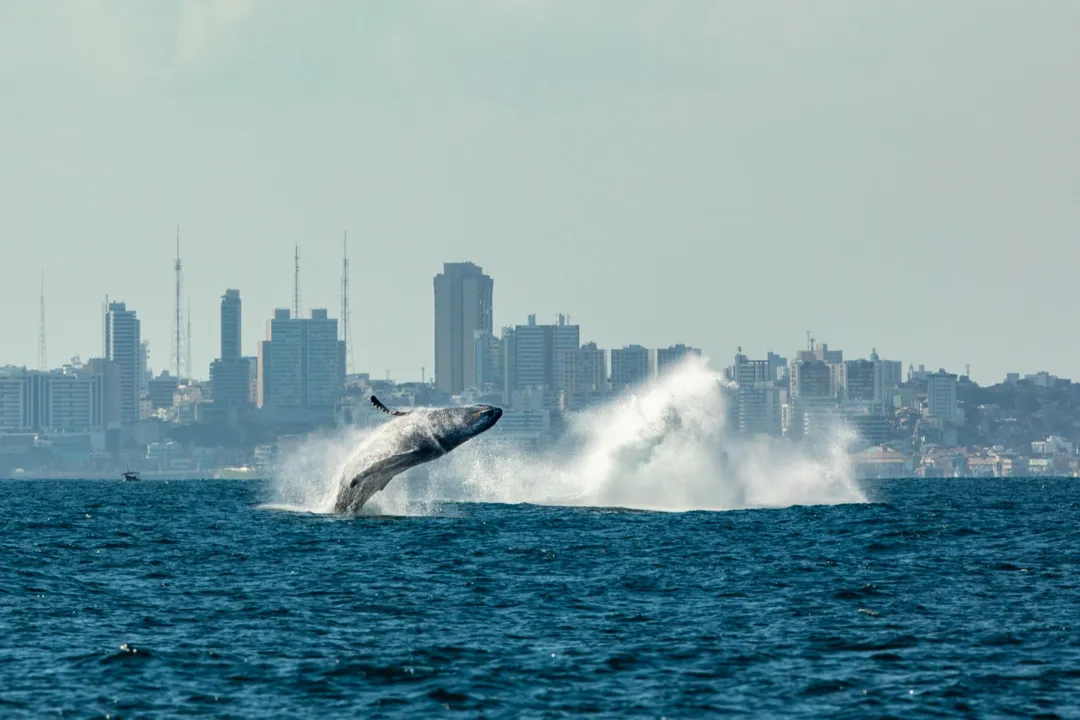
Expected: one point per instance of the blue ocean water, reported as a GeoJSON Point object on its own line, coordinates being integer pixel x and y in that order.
{"type": "Point", "coordinates": [944, 598]}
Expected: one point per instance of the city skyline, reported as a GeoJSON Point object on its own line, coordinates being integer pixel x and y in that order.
{"type": "Point", "coordinates": [231, 349]}
{"type": "Point", "coordinates": [728, 174]}
{"type": "Point", "coordinates": [230, 342]}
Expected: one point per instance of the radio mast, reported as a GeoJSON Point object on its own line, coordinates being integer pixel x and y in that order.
{"type": "Point", "coordinates": [346, 325]}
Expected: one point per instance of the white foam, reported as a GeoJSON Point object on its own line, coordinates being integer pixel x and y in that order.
{"type": "Point", "coordinates": [667, 446]}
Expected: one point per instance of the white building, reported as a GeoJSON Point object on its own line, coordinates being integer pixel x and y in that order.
{"type": "Point", "coordinates": [941, 397]}
{"type": "Point", "coordinates": [68, 400]}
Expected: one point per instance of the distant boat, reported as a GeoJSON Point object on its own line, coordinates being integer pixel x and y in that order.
{"type": "Point", "coordinates": [131, 476]}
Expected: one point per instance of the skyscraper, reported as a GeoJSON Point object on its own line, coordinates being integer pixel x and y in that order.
{"type": "Point", "coordinates": [941, 396]}
{"type": "Point", "coordinates": [229, 374]}
{"type": "Point", "coordinates": [230, 325]}
{"type": "Point", "coordinates": [539, 352]}
{"type": "Point", "coordinates": [630, 366]}
{"type": "Point", "coordinates": [758, 396]}
{"type": "Point", "coordinates": [671, 356]}
{"type": "Point", "coordinates": [123, 346]}
{"type": "Point", "coordinates": [463, 302]}
{"type": "Point", "coordinates": [300, 363]}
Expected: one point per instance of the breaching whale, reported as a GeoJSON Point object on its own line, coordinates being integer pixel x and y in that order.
{"type": "Point", "coordinates": [409, 439]}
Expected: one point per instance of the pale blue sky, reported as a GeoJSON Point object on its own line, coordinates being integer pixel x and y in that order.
{"type": "Point", "coordinates": [897, 174]}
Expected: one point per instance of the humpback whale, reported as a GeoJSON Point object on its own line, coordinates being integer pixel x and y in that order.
{"type": "Point", "coordinates": [408, 439]}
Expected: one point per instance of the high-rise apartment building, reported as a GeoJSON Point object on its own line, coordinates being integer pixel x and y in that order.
{"type": "Point", "coordinates": [463, 306]}
{"type": "Point", "coordinates": [535, 355]}
{"type": "Point", "coordinates": [671, 356]}
{"type": "Point", "coordinates": [586, 376]}
{"type": "Point", "coordinates": [757, 396]}
{"type": "Point", "coordinates": [230, 325]}
{"type": "Point", "coordinates": [230, 374]}
{"type": "Point", "coordinates": [862, 382]}
{"type": "Point", "coordinates": [300, 364]}
{"type": "Point", "coordinates": [489, 359]}
{"type": "Point", "coordinates": [565, 338]}
{"type": "Point", "coordinates": [68, 400]}
{"type": "Point", "coordinates": [630, 366]}
{"type": "Point", "coordinates": [813, 395]}
{"type": "Point", "coordinates": [941, 396]}
{"type": "Point", "coordinates": [124, 347]}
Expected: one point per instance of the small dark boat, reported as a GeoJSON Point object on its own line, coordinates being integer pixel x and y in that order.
{"type": "Point", "coordinates": [131, 476]}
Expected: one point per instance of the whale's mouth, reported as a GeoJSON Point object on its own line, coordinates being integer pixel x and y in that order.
{"type": "Point", "coordinates": [484, 418]}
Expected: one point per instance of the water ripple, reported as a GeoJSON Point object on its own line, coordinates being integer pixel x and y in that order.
{"type": "Point", "coordinates": [938, 598]}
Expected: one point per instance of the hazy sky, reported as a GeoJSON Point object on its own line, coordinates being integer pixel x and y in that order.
{"type": "Point", "coordinates": [892, 174]}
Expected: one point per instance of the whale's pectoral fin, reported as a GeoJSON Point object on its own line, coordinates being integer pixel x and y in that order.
{"type": "Point", "coordinates": [386, 468]}
{"type": "Point", "coordinates": [378, 403]}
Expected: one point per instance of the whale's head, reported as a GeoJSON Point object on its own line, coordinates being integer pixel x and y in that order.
{"type": "Point", "coordinates": [457, 425]}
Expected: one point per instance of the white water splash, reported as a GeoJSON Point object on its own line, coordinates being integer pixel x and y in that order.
{"type": "Point", "coordinates": [667, 446]}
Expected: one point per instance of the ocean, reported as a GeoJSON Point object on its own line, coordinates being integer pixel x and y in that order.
{"type": "Point", "coordinates": [931, 598]}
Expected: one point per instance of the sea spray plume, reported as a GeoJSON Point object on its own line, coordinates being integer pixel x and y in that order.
{"type": "Point", "coordinates": [303, 475]}
{"type": "Point", "coordinates": [664, 446]}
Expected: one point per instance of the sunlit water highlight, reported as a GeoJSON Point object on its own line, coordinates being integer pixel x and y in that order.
{"type": "Point", "coordinates": [667, 446]}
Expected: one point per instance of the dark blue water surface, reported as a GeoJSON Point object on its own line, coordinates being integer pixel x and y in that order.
{"type": "Point", "coordinates": [950, 598]}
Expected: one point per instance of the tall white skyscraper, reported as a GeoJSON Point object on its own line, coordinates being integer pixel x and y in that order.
{"type": "Point", "coordinates": [463, 306]}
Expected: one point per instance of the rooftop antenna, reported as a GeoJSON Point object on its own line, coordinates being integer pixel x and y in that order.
{"type": "Point", "coordinates": [178, 348]}
{"type": "Point", "coordinates": [43, 363]}
{"type": "Point", "coordinates": [106, 346]}
{"type": "Point", "coordinates": [346, 325]}
{"type": "Point", "coordinates": [187, 356]}
{"type": "Point", "coordinates": [809, 342]}
{"type": "Point", "coordinates": [296, 283]}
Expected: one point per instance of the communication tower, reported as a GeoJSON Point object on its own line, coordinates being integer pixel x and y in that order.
{"type": "Point", "coordinates": [296, 282]}
{"type": "Point", "coordinates": [346, 326]}
{"type": "Point", "coordinates": [178, 328]}
{"type": "Point", "coordinates": [43, 362]}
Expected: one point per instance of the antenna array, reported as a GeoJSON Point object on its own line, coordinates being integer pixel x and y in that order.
{"type": "Point", "coordinates": [42, 359]}
{"type": "Point", "coordinates": [178, 340]}
{"type": "Point", "coordinates": [296, 283]}
{"type": "Point", "coordinates": [346, 325]}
